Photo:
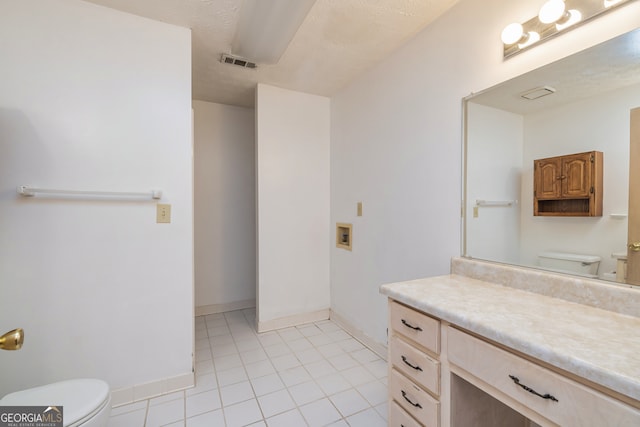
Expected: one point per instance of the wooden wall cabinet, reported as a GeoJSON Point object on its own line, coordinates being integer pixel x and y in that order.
{"type": "Point", "coordinates": [568, 185]}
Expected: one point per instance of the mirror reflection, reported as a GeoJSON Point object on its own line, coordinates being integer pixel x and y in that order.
{"type": "Point", "coordinates": [576, 105]}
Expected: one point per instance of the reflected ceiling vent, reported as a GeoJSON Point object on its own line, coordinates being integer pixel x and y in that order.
{"type": "Point", "coordinates": [235, 60]}
{"type": "Point", "coordinates": [538, 92]}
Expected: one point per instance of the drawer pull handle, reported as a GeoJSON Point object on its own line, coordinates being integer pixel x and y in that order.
{"type": "Point", "coordinates": [416, 367]}
{"type": "Point", "coordinates": [532, 391]}
{"type": "Point", "coordinates": [417, 405]}
{"type": "Point", "coordinates": [415, 328]}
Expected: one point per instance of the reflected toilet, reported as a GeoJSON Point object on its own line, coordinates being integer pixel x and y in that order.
{"type": "Point", "coordinates": [575, 264]}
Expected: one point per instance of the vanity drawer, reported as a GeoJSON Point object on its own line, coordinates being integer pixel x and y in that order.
{"type": "Point", "coordinates": [417, 402]}
{"type": "Point", "coordinates": [416, 326]}
{"type": "Point", "coordinates": [576, 405]}
{"type": "Point", "coordinates": [415, 364]}
{"type": "Point", "coordinates": [398, 417]}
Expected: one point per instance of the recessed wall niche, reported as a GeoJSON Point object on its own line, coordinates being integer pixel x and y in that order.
{"type": "Point", "coordinates": [344, 236]}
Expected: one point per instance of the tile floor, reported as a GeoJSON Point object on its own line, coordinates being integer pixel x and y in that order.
{"type": "Point", "coordinates": [310, 375]}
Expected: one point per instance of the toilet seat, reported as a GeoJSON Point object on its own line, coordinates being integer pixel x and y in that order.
{"type": "Point", "coordinates": [81, 399]}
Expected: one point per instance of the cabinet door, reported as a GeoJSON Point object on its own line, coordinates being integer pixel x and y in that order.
{"type": "Point", "coordinates": [547, 178]}
{"type": "Point", "coordinates": [576, 175]}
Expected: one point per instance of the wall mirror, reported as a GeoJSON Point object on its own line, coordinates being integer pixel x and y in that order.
{"type": "Point", "coordinates": [585, 106]}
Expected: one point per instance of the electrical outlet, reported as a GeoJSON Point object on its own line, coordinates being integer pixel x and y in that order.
{"type": "Point", "coordinates": [475, 212]}
{"type": "Point", "coordinates": [163, 214]}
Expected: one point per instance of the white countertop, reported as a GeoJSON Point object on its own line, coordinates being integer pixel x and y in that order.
{"type": "Point", "coordinates": [595, 344]}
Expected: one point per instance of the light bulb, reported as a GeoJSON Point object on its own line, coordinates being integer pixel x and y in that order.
{"type": "Point", "coordinates": [551, 11]}
{"type": "Point", "coordinates": [512, 33]}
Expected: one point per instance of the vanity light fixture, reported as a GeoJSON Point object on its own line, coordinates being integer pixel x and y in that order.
{"type": "Point", "coordinates": [555, 16]}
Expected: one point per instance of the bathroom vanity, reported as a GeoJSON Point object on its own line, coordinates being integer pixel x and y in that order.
{"type": "Point", "coordinates": [496, 345]}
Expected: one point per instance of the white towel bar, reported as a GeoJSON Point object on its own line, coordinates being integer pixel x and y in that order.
{"type": "Point", "coordinates": [28, 191]}
{"type": "Point", "coordinates": [496, 202]}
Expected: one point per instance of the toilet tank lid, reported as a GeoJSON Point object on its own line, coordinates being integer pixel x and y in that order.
{"type": "Point", "coordinates": [588, 259]}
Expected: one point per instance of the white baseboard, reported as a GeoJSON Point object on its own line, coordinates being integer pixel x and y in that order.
{"type": "Point", "coordinates": [373, 345]}
{"type": "Point", "coordinates": [203, 310]}
{"type": "Point", "coordinates": [296, 319]}
{"type": "Point", "coordinates": [151, 389]}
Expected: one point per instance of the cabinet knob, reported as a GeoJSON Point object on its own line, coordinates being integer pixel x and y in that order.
{"type": "Point", "coordinates": [635, 247]}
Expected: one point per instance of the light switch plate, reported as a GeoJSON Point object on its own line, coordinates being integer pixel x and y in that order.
{"type": "Point", "coordinates": [163, 214]}
{"type": "Point", "coordinates": [359, 208]}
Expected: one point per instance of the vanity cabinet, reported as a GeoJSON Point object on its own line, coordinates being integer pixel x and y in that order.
{"type": "Point", "coordinates": [414, 368]}
{"type": "Point", "coordinates": [520, 382]}
{"type": "Point", "coordinates": [568, 185]}
{"type": "Point", "coordinates": [440, 375]}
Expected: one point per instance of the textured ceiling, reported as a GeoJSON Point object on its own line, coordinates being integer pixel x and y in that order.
{"type": "Point", "coordinates": [608, 66]}
{"type": "Point", "coordinates": [339, 40]}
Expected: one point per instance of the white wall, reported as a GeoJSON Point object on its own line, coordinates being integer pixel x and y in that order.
{"type": "Point", "coordinates": [100, 100]}
{"type": "Point", "coordinates": [396, 146]}
{"type": "Point", "coordinates": [494, 163]}
{"type": "Point", "coordinates": [600, 123]}
{"type": "Point", "coordinates": [224, 182]}
{"type": "Point", "coordinates": [292, 172]}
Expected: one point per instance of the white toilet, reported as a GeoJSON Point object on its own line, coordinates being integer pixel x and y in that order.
{"type": "Point", "coordinates": [577, 264]}
{"type": "Point", "coordinates": [85, 402]}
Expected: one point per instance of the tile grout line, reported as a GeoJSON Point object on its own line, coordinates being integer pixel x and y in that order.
{"type": "Point", "coordinates": [264, 418]}
{"type": "Point", "coordinates": [244, 368]}
{"type": "Point", "coordinates": [146, 411]}
{"type": "Point", "coordinates": [215, 373]}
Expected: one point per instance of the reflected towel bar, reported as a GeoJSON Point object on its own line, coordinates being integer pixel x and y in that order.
{"type": "Point", "coordinates": [496, 202]}
{"type": "Point", "coordinates": [27, 191]}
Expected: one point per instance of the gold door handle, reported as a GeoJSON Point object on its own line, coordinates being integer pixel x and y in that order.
{"type": "Point", "coordinates": [635, 247]}
{"type": "Point", "coordinates": [12, 340]}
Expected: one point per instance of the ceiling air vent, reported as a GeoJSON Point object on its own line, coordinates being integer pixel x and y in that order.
{"type": "Point", "coordinates": [234, 60]}
{"type": "Point", "coordinates": [538, 92]}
